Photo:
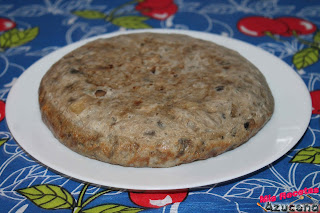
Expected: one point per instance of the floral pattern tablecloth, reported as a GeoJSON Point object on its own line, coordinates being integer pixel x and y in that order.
{"type": "Point", "coordinates": [288, 29]}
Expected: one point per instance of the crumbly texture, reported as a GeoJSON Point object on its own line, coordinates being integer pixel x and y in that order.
{"type": "Point", "coordinates": [154, 100]}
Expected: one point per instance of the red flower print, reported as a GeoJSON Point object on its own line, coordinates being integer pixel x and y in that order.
{"type": "Point", "coordinates": [156, 9]}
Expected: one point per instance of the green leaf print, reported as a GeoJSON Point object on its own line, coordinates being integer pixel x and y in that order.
{"type": "Point", "coordinates": [305, 57]}
{"type": "Point", "coordinates": [90, 14]}
{"type": "Point", "coordinates": [316, 37]}
{"type": "Point", "coordinates": [307, 155]}
{"type": "Point", "coordinates": [48, 196]}
{"type": "Point", "coordinates": [15, 37]}
{"type": "Point", "coordinates": [3, 140]}
{"type": "Point", "coordinates": [131, 22]}
{"type": "Point", "coordinates": [112, 208]}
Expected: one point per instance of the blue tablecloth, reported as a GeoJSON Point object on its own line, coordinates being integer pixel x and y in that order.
{"type": "Point", "coordinates": [288, 29]}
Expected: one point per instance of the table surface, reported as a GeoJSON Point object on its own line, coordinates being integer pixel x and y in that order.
{"type": "Point", "coordinates": [31, 29]}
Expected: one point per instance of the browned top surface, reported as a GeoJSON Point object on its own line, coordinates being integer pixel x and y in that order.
{"type": "Point", "coordinates": [154, 100]}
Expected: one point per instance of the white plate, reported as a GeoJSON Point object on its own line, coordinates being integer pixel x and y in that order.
{"type": "Point", "coordinates": [282, 132]}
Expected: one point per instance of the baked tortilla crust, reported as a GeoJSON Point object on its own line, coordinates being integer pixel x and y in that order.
{"type": "Point", "coordinates": [154, 100]}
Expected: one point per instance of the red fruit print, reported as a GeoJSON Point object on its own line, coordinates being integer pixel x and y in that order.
{"type": "Point", "coordinates": [315, 97]}
{"type": "Point", "coordinates": [6, 24]}
{"type": "Point", "coordinates": [160, 10]}
{"type": "Point", "coordinates": [298, 25]}
{"type": "Point", "coordinates": [261, 26]}
{"type": "Point", "coordinates": [157, 199]}
{"type": "Point", "coordinates": [155, 3]}
{"type": "Point", "coordinates": [2, 110]}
